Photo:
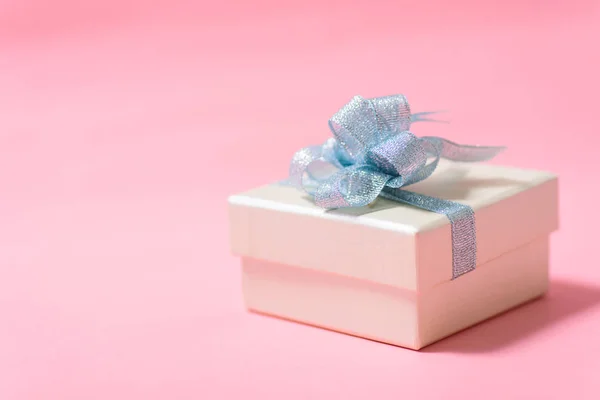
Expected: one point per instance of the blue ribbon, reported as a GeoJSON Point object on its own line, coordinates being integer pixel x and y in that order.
{"type": "Point", "coordinates": [373, 154]}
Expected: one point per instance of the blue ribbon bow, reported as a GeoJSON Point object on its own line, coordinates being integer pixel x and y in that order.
{"type": "Point", "coordinates": [373, 154]}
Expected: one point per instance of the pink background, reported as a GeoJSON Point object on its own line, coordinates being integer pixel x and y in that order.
{"type": "Point", "coordinates": [124, 126]}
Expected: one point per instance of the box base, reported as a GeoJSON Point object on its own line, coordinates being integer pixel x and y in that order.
{"type": "Point", "coordinates": [395, 315]}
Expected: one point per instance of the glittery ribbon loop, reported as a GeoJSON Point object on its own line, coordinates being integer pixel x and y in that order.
{"type": "Point", "coordinates": [372, 153]}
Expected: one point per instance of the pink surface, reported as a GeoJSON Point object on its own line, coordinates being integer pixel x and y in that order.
{"type": "Point", "coordinates": [123, 129]}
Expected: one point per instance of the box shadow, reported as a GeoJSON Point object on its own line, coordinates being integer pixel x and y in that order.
{"type": "Point", "coordinates": [564, 299]}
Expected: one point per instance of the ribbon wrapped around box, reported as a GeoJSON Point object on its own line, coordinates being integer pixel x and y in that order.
{"type": "Point", "coordinates": [374, 235]}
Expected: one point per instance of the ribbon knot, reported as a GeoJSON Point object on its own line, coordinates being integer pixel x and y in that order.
{"type": "Point", "coordinates": [400, 155]}
{"type": "Point", "coordinates": [373, 153]}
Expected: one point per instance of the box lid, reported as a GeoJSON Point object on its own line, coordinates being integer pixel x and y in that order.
{"type": "Point", "coordinates": [390, 242]}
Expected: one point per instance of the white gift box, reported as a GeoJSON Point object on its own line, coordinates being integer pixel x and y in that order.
{"type": "Point", "coordinates": [384, 272]}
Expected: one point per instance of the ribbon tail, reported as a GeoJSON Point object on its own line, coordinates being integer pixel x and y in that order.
{"type": "Point", "coordinates": [462, 224]}
{"type": "Point", "coordinates": [424, 117]}
{"type": "Point", "coordinates": [461, 152]}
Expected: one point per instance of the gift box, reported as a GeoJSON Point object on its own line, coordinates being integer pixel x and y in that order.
{"type": "Point", "coordinates": [390, 270]}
